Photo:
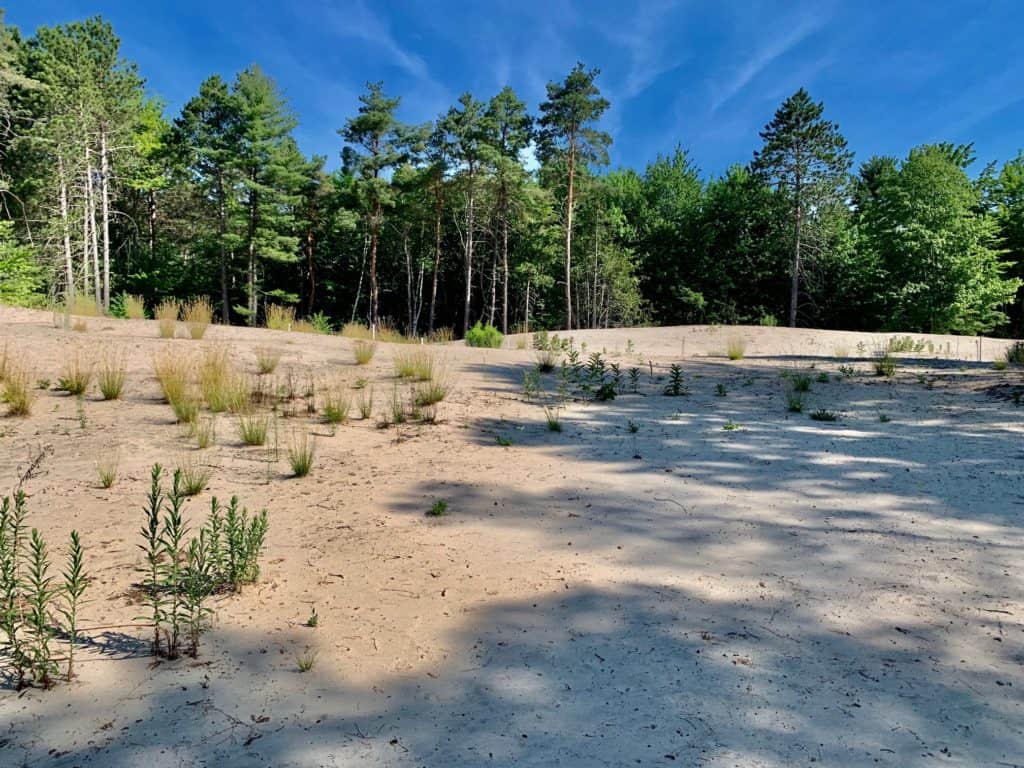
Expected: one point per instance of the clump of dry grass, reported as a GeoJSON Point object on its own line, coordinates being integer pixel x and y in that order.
{"type": "Point", "coordinates": [197, 316]}
{"type": "Point", "coordinates": [5, 353]}
{"type": "Point", "coordinates": [107, 465]}
{"type": "Point", "coordinates": [253, 427]}
{"type": "Point", "coordinates": [174, 371]}
{"type": "Point", "coordinates": [112, 373]}
{"type": "Point", "coordinates": [415, 364]}
{"type": "Point", "coordinates": [280, 318]}
{"type": "Point", "coordinates": [365, 403]}
{"type": "Point", "coordinates": [134, 307]}
{"type": "Point", "coordinates": [195, 475]}
{"type": "Point", "coordinates": [205, 432]}
{"type": "Point", "coordinates": [84, 306]}
{"type": "Point", "coordinates": [17, 391]}
{"type": "Point", "coordinates": [336, 406]}
{"type": "Point", "coordinates": [267, 359]}
{"type": "Point", "coordinates": [364, 351]}
{"type": "Point", "coordinates": [384, 332]}
{"type": "Point", "coordinates": [79, 325]}
{"type": "Point", "coordinates": [224, 388]}
{"type": "Point", "coordinates": [166, 315]}
{"type": "Point", "coordinates": [735, 347]}
{"type": "Point", "coordinates": [76, 375]}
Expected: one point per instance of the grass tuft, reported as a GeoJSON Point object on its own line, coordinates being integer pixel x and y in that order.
{"type": "Point", "coordinates": [197, 316]}
{"type": "Point", "coordinates": [301, 453]}
{"type": "Point", "coordinates": [735, 347]}
{"type": "Point", "coordinates": [77, 374]}
{"type": "Point", "coordinates": [416, 364]}
{"type": "Point", "coordinates": [134, 307]}
{"type": "Point", "coordinates": [267, 359]}
{"type": "Point", "coordinates": [107, 466]}
{"type": "Point", "coordinates": [280, 318]}
{"type": "Point", "coordinates": [18, 392]}
{"type": "Point", "coordinates": [195, 477]}
{"type": "Point", "coordinates": [166, 315]}
{"type": "Point", "coordinates": [253, 428]}
{"type": "Point", "coordinates": [112, 373]}
{"type": "Point", "coordinates": [364, 351]}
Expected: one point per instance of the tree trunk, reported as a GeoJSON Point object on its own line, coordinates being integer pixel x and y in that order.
{"type": "Point", "coordinates": [105, 202]}
{"type": "Point", "coordinates": [311, 270]}
{"type": "Point", "coordinates": [526, 322]}
{"type": "Point", "coordinates": [93, 242]}
{"type": "Point", "coordinates": [251, 278]}
{"type": "Point", "coordinates": [359, 285]}
{"type": "Point", "coordinates": [409, 328]}
{"type": "Point", "coordinates": [225, 306]}
{"type": "Point", "coordinates": [69, 270]}
{"type": "Point", "coordinates": [151, 205]}
{"type": "Point", "coordinates": [374, 237]}
{"type": "Point", "coordinates": [504, 269]}
{"type": "Point", "coordinates": [568, 235]}
{"type": "Point", "coordinates": [494, 289]}
{"type": "Point", "coordinates": [469, 257]}
{"type": "Point", "coordinates": [794, 289]}
{"type": "Point", "coordinates": [438, 208]}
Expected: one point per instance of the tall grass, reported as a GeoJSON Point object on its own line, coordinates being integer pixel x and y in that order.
{"type": "Point", "coordinates": [133, 306]}
{"type": "Point", "coordinates": [84, 306]}
{"type": "Point", "coordinates": [174, 371]}
{"type": "Point", "coordinates": [280, 318]}
{"type": "Point", "coordinates": [17, 391]}
{"type": "Point", "coordinates": [166, 314]}
{"type": "Point", "coordinates": [107, 466]}
{"type": "Point", "coordinates": [365, 403]}
{"type": "Point", "coordinates": [384, 332]}
{"type": "Point", "coordinates": [267, 359]}
{"type": "Point", "coordinates": [735, 347]}
{"type": "Point", "coordinates": [197, 316]}
{"type": "Point", "coordinates": [431, 392]}
{"type": "Point", "coordinates": [253, 427]}
{"type": "Point", "coordinates": [336, 406]}
{"type": "Point", "coordinates": [76, 375]}
{"type": "Point", "coordinates": [112, 374]}
{"type": "Point", "coordinates": [195, 476]}
{"type": "Point", "coordinates": [301, 453]}
{"type": "Point", "coordinates": [415, 364]}
{"type": "Point", "coordinates": [364, 351]}
{"type": "Point", "coordinates": [224, 387]}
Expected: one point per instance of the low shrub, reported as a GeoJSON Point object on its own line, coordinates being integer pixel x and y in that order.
{"type": "Point", "coordinates": [481, 335]}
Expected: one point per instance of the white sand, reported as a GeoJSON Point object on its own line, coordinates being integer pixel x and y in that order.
{"type": "Point", "coordinates": [792, 592]}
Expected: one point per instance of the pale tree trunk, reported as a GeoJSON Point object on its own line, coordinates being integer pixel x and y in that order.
{"type": "Point", "coordinates": [410, 329]}
{"type": "Point", "coordinates": [86, 250]}
{"type": "Point", "coordinates": [69, 270]}
{"type": "Point", "coordinates": [794, 289]}
{"type": "Point", "coordinates": [568, 235]}
{"type": "Point", "coordinates": [469, 256]}
{"type": "Point", "coordinates": [225, 307]}
{"type": "Point", "coordinates": [105, 198]}
{"type": "Point", "coordinates": [374, 237]}
{"type": "Point", "coordinates": [526, 323]}
{"type": "Point", "coordinates": [438, 209]}
{"type": "Point", "coordinates": [251, 277]}
{"type": "Point", "coordinates": [494, 289]}
{"type": "Point", "coordinates": [504, 269]}
{"type": "Point", "coordinates": [93, 237]}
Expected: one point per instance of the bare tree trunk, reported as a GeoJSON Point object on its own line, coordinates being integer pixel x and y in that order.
{"type": "Point", "coordinates": [438, 209]}
{"type": "Point", "coordinates": [504, 269]}
{"type": "Point", "coordinates": [409, 328]}
{"type": "Point", "coordinates": [105, 201]}
{"type": "Point", "coordinates": [253, 305]}
{"type": "Point", "coordinates": [310, 270]}
{"type": "Point", "coordinates": [469, 258]}
{"type": "Point", "coordinates": [374, 237]}
{"type": "Point", "coordinates": [151, 206]}
{"type": "Point", "coordinates": [526, 323]}
{"type": "Point", "coordinates": [568, 235]}
{"type": "Point", "coordinates": [494, 289]}
{"type": "Point", "coordinates": [93, 243]}
{"type": "Point", "coordinates": [359, 285]}
{"type": "Point", "coordinates": [69, 271]}
{"type": "Point", "coordinates": [222, 225]}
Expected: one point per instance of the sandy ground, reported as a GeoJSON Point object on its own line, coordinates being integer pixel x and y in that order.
{"type": "Point", "coordinates": [791, 592]}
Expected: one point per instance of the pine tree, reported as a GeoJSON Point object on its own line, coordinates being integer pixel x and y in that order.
{"type": "Point", "coordinates": [806, 158]}
{"type": "Point", "coordinates": [568, 137]}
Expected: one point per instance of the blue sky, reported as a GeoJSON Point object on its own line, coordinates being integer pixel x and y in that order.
{"type": "Point", "coordinates": [703, 75]}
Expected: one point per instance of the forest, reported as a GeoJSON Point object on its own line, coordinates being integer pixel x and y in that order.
{"type": "Point", "coordinates": [496, 211]}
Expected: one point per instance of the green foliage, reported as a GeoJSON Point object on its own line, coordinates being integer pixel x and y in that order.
{"type": "Point", "coordinates": [676, 386]}
{"type": "Point", "coordinates": [21, 277]}
{"type": "Point", "coordinates": [438, 508]}
{"type": "Point", "coordinates": [483, 336]}
{"type": "Point", "coordinates": [823, 414]}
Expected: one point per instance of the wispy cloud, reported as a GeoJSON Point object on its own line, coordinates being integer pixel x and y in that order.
{"type": "Point", "coordinates": [360, 23]}
{"type": "Point", "coordinates": [763, 58]}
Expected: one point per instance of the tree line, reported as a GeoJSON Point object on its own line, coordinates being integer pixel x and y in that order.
{"type": "Point", "coordinates": [491, 212]}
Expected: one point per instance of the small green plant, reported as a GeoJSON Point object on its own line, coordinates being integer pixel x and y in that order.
{"type": "Point", "coordinates": [822, 378]}
{"type": "Point", "coordinates": [551, 417]}
{"type": "Point", "coordinates": [883, 418]}
{"type": "Point", "coordinates": [107, 466]}
{"type": "Point", "coordinates": [885, 365]}
{"type": "Point", "coordinates": [185, 405]}
{"type": "Point", "coordinates": [112, 374]}
{"type": "Point", "coordinates": [794, 397]}
{"type": "Point", "coordinates": [503, 441]}
{"type": "Point", "coordinates": [431, 392]}
{"type": "Point", "coordinates": [365, 404]}
{"type": "Point", "coordinates": [531, 383]}
{"type": "Point", "coordinates": [823, 414]}
{"type": "Point", "coordinates": [267, 360]}
{"type": "Point", "coordinates": [364, 351]}
{"type": "Point", "coordinates": [632, 427]}
{"type": "Point", "coordinates": [306, 661]}
{"type": "Point", "coordinates": [41, 384]}
{"type": "Point", "coordinates": [483, 336]}
{"type": "Point", "coordinates": [1014, 354]}
{"type": "Point", "coordinates": [605, 391]}
{"type": "Point", "coordinates": [438, 508]}
{"type": "Point", "coordinates": [301, 453]}
{"type": "Point", "coordinates": [360, 383]}
{"type": "Point", "coordinates": [634, 380]}
{"type": "Point", "coordinates": [335, 407]}
{"type": "Point", "coordinates": [999, 364]}
{"type": "Point", "coordinates": [847, 371]}
{"type": "Point", "coordinates": [395, 413]}
{"type": "Point", "coordinates": [769, 320]}
{"type": "Point", "coordinates": [801, 381]}
{"type": "Point", "coordinates": [720, 390]}
{"type": "Point", "coordinates": [253, 427]}
{"type": "Point", "coordinates": [676, 387]}
{"type": "Point", "coordinates": [730, 426]}
{"type": "Point", "coordinates": [314, 619]}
